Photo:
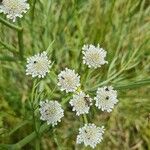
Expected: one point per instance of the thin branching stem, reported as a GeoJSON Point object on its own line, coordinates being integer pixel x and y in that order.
{"type": "Point", "coordinates": [33, 10]}
{"type": "Point", "coordinates": [8, 58]}
{"type": "Point", "coordinates": [108, 80]}
{"type": "Point", "coordinates": [30, 137]}
{"type": "Point", "coordinates": [133, 85]}
{"type": "Point", "coordinates": [56, 139]}
{"type": "Point", "coordinates": [12, 26]}
{"type": "Point", "coordinates": [32, 23]}
{"type": "Point", "coordinates": [20, 42]}
{"type": "Point", "coordinates": [33, 97]}
{"type": "Point", "coordinates": [9, 47]}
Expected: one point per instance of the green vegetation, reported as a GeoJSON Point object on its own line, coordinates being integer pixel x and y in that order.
{"type": "Point", "coordinates": [122, 27]}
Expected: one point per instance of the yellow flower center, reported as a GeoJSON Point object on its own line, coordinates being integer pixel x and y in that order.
{"type": "Point", "coordinates": [94, 57]}
{"type": "Point", "coordinates": [69, 80]}
{"type": "Point", "coordinates": [80, 103]}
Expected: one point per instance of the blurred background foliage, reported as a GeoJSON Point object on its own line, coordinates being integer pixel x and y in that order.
{"type": "Point", "coordinates": [122, 27]}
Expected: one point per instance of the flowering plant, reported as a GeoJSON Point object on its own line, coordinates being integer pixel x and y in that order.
{"type": "Point", "coordinates": [70, 73]}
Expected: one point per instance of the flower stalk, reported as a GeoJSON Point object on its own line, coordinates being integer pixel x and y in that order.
{"type": "Point", "coordinates": [10, 25]}
{"type": "Point", "coordinates": [20, 42]}
{"type": "Point", "coordinates": [30, 137]}
{"type": "Point", "coordinates": [9, 47]}
{"type": "Point", "coordinates": [85, 119]}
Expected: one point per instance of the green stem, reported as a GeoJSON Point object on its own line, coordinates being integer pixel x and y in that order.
{"type": "Point", "coordinates": [20, 42]}
{"type": "Point", "coordinates": [37, 144]}
{"type": "Point", "coordinates": [20, 35]}
{"type": "Point", "coordinates": [32, 11]}
{"type": "Point", "coordinates": [133, 85]}
{"type": "Point", "coordinates": [56, 140]}
{"type": "Point", "coordinates": [65, 100]}
{"type": "Point", "coordinates": [18, 127]}
{"type": "Point", "coordinates": [9, 47]}
{"type": "Point", "coordinates": [8, 58]}
{"type": "Point", "coordinates": [12, 26]}
{"type": "Point", "coordinates": [30, 137]}
{"type": "Point", "coordinates": [108, 80]}
{"type": "Point", "coordinates": [33, 97]}
{"type": "Point", "coordinates": [85, 119]}
{"type": "Point", "coordinates": [84, 78]}
{"type": "Point", "coordinates": [31, 25]}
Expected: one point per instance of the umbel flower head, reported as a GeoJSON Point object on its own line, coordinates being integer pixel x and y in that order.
{"type": "Point", "coordinates": [68, 80]}
{"type": "Point", "coordinates": [81, 103]}
{"type": "Point", "coordinates": [51, 112]}
{"type": "Point", "coordinates": [90, 135]}
{"type": "Point", "coordinates": [94, 57]}
{"type": "Point", "coordinates": [14, 8]}
{"type": "Point", "coordinates": [38, 65]}
{"type": "Point", "coordinates": [106, 98]}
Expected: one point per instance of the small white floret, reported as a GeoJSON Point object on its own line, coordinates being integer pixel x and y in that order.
{"type": "Point", "coordinates": [90, 135]}
{"type": "Point", "coordinates": [106, 98]}
{"type": "Point", "coordinates": [14, 8]}
{"type": "Point", "coordinates": [81, 103]}
{"type": "Point", "coordinates": [94, 57]}
{"type": "Point", "coordinates": [51, 112]}
{"type": "Point", "coordinates": [68, 80]}
{"type": "Point", "coordinates": [38, 65]}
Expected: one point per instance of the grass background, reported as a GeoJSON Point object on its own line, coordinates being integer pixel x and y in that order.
{"type": "Point", "coordinates": [122, 27]}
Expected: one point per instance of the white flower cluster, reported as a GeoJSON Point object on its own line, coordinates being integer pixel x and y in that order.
{"type": "Point", "coordinates": [81, 103]}
{"type": "Point", "coordinates": [51, 112]}
{"type": "Point", "coordinates": [68, 80]}
{"type": "Point", "coordinates": [90, 135]}
{"type": "Point", "coordinates": [38, 65]}
{"type": "Point", "coordinates": [14, 8]}
{"type": "Point", "coordinates": [94, 57]}
{"type": "Point", "coordinates": [106, 98]}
